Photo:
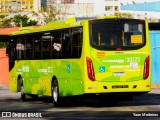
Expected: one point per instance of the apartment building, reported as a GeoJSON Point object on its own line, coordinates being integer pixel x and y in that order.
{"type": "Point", "coordinates": [84, 8]}
{"type": "Point", "coordinates": [13, 6]}
{"type": "Point", "coordinates": [51, 2]}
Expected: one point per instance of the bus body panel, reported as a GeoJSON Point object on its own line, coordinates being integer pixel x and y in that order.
{"type": "Point", "coordinates": [37, 76]}
{"type": "Point", "coordinates": [119, 70]}
{"type": "Point", "coordinates": [118, 66]}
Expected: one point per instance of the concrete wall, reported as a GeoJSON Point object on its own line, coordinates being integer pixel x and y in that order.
{"type": "Point", "coordinates": [4, 68]}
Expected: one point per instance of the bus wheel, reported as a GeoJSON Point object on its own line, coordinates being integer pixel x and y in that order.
{"type": "Point", "coordinates": [23, 96]}
{"type": "Point", "coordinates": [55, 93]}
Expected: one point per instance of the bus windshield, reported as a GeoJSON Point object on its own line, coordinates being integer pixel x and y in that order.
{"type": "Point", "coordinates": [122, 34]}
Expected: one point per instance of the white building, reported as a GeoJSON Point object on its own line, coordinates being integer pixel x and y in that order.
{"type": "Point", "coordinates": [88, 8]}
{"type": "Point", "coordinates": [37, 5]}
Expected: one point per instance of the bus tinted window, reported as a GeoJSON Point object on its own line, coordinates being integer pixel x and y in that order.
{"type": "Point", "coordinates": [77, 43]}
{"type": "Point", "coordinates": [66, 44]}
{"type": "Point", "coordinates": [57, 44]}
{"type": "Point", "coordinates": [46, 45]}
{"type": "Point", "coordinates": [37, 46]}
{"type": "Point", "coordinates": [20, 48]}
{"type": "Point", "coordinates": [29, 47]}
{"type": "Point", "coordinates": [110, 35]}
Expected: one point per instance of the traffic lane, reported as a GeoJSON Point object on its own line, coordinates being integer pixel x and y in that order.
{"type": "Point", "coordinates": [82, 109]}
{"type": "Point", "coordinates": [11, 101]}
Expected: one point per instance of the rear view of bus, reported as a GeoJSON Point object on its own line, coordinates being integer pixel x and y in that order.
{"type": "Point", "coordinates": [118, 59]}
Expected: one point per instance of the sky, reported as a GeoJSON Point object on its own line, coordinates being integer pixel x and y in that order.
{"type": "Point", "coordinates": [136, 1]}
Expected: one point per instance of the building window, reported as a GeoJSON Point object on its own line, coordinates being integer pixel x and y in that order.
{"type": "Point", "coordinates": [108, 8]}
{"type": "Point", "coordinates": [67, 1]}
{"type": "Point", "coordinates": [116, 8]}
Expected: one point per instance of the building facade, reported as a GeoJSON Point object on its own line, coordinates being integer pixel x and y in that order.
{"type": "Point", "coordinates": [50, 2]}
{"type": "Point", "coordinates": [85, 8]}
{"type": "Point", "coordinates": [13, 6]}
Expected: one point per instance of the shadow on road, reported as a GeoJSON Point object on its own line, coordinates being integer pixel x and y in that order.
{"type": "Point", "coordinates": [81, 108]}
{"type": "Point", "coordinates": [141, 100]}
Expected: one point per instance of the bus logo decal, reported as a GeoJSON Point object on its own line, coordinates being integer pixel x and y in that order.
{"type": "Point", "coordinates": [102, 69]}
{"type": "Point", "coordinates": [68, 68]}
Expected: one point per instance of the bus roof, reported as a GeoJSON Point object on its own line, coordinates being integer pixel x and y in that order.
{"type": "Point", "coordinates": [71, 22]}
{"type": "Point", "coordinates": [50, 26]}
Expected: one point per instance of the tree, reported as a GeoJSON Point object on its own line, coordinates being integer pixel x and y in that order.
{"type": "Point", "coordinates": [3, 44]}
{"type": "Point", "coordinates": [5, 23]}
{"type": "Point", "coordinates": [52, 14]}
{"type": "Point", "coordinates": [20, 21]}
{"type": "Point", "coordinates": [2, 17]}
{"type": "Point", "coordinates": [123, 15]}
{"type": "Point", "coordinates": [54, 11]}
{"type": "Point", "coordinates": [31, 23]}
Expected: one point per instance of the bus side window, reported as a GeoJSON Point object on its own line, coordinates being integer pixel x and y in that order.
{"type": "Point", "coordinates": [29, 47]}
{"type": "Point", "coordinates": [46, 49]}
{"type": "Point", "coordinates": [12, 50]}
{"type": "Point", "coordinates": [76, 42]}
{"type": "Point", "coordinates": [66, 44]}
{"type": "Point", "coordinates": [20, 49]}
{"type": "Point", "coordinates": [37, 47]}
{"type": "Point", "coordinates": [12, 53]}
{"type": "Point", "coordinates": [56, 44]}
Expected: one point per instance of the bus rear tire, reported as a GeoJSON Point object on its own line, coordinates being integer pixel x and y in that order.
{"type": "Point", "coordinates": [55, 93]}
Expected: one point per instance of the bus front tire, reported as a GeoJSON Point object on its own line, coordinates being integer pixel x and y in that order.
{"type": "Point", "coordinates": [55, 93]}
{"type": "Point", "coordinates": [23, 95]}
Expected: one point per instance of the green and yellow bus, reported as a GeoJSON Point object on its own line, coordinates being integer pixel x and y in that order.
{"type": "Point", "coordinates": [105, 57]}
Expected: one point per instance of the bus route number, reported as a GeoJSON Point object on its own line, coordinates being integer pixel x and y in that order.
{"type": "Point", "coordinates": [133, 59]}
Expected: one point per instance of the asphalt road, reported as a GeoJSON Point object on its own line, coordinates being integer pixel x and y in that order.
{"type": "Point", "coordinates": [147, 105]}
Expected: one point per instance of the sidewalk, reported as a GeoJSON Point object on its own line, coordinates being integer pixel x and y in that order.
{"type": "Point", "coordinates": [4, 86]}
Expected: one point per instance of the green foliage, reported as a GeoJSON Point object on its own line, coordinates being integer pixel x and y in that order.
{"type": "Point", "coordinates": [52, 13]}
{"type": "Point", "coordinates": [123, 15]}
{"type": "Point", "coordinates": [2, 17]}
{"type": "Point", "coordinates": [31, 23]}
{"type": "Point", "coordinates": [18, 20]}
{"type": "Point", "coordinates": [5, 23]}
{"type": "Point", "coordinates": [3, 44]}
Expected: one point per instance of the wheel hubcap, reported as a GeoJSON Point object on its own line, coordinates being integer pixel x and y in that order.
{"type": "Point", "coordinates": [55, 94]}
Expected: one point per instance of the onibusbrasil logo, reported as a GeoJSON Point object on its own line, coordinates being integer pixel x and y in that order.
{"type": "Point", "coordinates": [21, 115]}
